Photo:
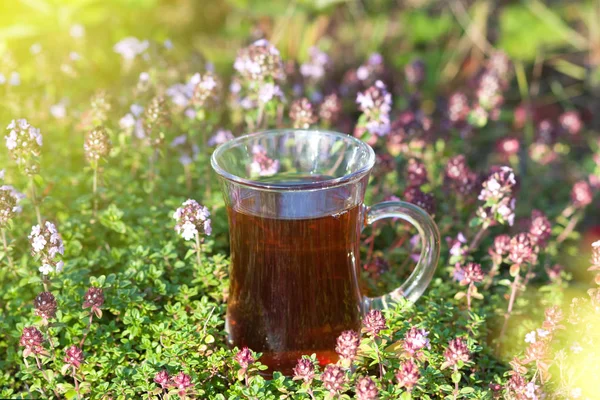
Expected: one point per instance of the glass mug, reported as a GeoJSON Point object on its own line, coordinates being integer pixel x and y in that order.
{"type": "Point", "coordinates": [295, 206]}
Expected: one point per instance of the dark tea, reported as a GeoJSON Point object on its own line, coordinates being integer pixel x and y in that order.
{"type": "Point", "coordinates": [294, 285]}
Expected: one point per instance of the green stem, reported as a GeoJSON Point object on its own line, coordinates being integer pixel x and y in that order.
{"type": "Point", "coordinates": [511, 302]}
{"type": "Point", "coordinates": [198, 251]}
{"type": "Point", "coordinates": [95, 191]}
{"type": "Point", "coordinates": [5, 243]}
{"type": "Point", "coordinates": [34, 200]}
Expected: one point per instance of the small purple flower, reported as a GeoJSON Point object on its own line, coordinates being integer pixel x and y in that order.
{"type": "Point", "coordinates": [244, 358]}
{"type": "Point", "coordinates": [94, 299]}
{"type": "Point", "coordinates": [192, 219]}
{"type": "Point", "coordinates": [347, 345]}
{"type": "Point", "coordinates": [521, 250]}
{"type": "Point", "coordinates": [97, 145]}
{"type": "Point", "coordinates": [333, 378]}
{"type": "Point", "coordinates": [304, 370]}
{"type": "Point", "coordinates": [415, 340]}
{"type": "Point", "coordinates": [376, 103]}
{"type": "Point", "coordinates": [581, 194]}
{"type": "Point", "coordinates": [366, 389]}
{"type": "Point", "coordinates": [500, 248]}
{"type": "Point", "coordinates": [416, 173]}
{"type": "Point", "coordinates": [408, 374]}
{"type": "Point", "coordinates": [45, 305]}
{"type": "Point", "coordinates": [206, 90]}
{"type": "Point", "coordinates": [269, 91]}
{"type": "Point", "coordinates": [259, 61]}
{"type": "Point", "coordinates": [182, 382]}
{"type": "Point", "coordinates": [162, 378]}
{"type": "Point", "coordinates": [457, 246]}
{"type": "Point", "coordinates": [262, 164]}
{"type": "Point", "coordinates": [458, 107]}
{"type": "Point", "coordinates": [188, 150]}
{"type": "Point", "coordinates": [500, 184]}
{"type": "Point", "coordinates": [540, 228]}
{"type": "Point", "coordinates": [415, 196]}
{"type": "Point", "coordinates": [330, 109]}
{"type": "Point", "coordinates": [32, 339]}
{"type": "Point", "coordinates": [374, 322]}
{"type": "Point", "coordinates": [130, 47]}
{"type": "Point", "coordinates": [458, 177]}
{"type": "Point", "coordinates": [302, 113]}
{"type": "Point", "coordinates": [470, 273]}
{"type": "Point", "coordinates": [314, 69]}
{"type": "Point", "coordinates": [74, 356]}
{"type": "Point", "coordinates": [220, 137]}
{"type": "Point", "coordinates": [48, 247]}
{"type": "Point", "coordinates": [457, 351]}
{"type": "Point", "coordinates": [570, 121]}
{"type": "Point", "coordinates": [24, 143]}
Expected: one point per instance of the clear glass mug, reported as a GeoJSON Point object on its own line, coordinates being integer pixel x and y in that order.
{"type": "Point", "coordinates": [295, 205]}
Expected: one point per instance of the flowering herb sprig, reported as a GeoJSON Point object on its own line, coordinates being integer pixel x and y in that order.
{"type": "Point", "coordinates": [96, 147]}
{"type": "Point", "coordinates": [193, 222]}
{"type": "Point", "coordinates": [24, 143]}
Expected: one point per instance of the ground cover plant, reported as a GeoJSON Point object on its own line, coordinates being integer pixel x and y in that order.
{"type": "Point", "coordinates": [114, 255]}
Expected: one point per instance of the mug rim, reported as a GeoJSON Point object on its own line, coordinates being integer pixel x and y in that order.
{"type": "Point", "coordinates": [324, 184]}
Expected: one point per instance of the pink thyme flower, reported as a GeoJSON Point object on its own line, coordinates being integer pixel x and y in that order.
{"type": "Point", "coordinates": [244, 358]}
{"type": "Point", "coordinates": [408, 374]}
{"type": "Point", "coordinates": [375, 104]}
{"type": "Point", "coordinates": [366, 389]}
{"type": "Point", "coordinates": [554, 316]}
{"type": "Point", "coordinates": [94, 299]}
{"type": "Point", "coordinates": [458, 177]}
{"type": "Point", "coordinates": [48, 247]}
{"type": "Point", "coordinates": [457, 245]}
{"type": "Point", "coordinates": [262, 164]}
{"type": "Point", "coordinates": [508, 146]}
{"type": "Point", "coordinates": [581, 194]}
{"type": "Point", "coordinates": [97, 145]}
{"type": "Point", "coordinates": [302, 113]}
{"type": "Point", "coordinates": [45, 305]}
{"type": "Point", "coordinates": [499, 185]}
{"type": "Point", "coordinates": [415, 196]}
{"type": "Point", "coordinates": [32, 339]}
{"type": "Point", "coordinates": [470, 273]}
{"type": "Point", "coordinates": [570, 121]}
{"type": "Point", "coordinates": [259, 61]}
{"type": "Point", "coordinates": [415, 340]}
{"type": "Point", "coordinates": [457, 351]}
{"type": "Point", "coordinates": [182, 382]}
{"type": "Point", "coordinates": [500, 248]}
{"type": "Point", "coordinates": [540, 228]}
{"type": "Point", "coordinates": [192, 219]}
{"type": "Point", "coordinates": [24, 143]}
{"type": "Point", "coordinates": [330, 109]}
{"type": "Point", "coordinates": [520, 249]}
{"type": "Point", "coordinates": [458, 107]}
{"type": "Point", "coordinates": [220, 137]}
{"type": "Point", "coordinates": [347, 345]}
{"type": "Point", "coordinates": [304, 370]}
{"type": "Point", "coordinates": [333, 378]}
{"type": "Point", "coordinates": [314, 69]}
{"type": "Point", "coordinates": [374, 322]}
{"type": "Point", "coordinates": [162, 378]}
{"type": "Point", "coordinates": [416, 173]}
{"type": "Point", "coordinates": [74, 356]}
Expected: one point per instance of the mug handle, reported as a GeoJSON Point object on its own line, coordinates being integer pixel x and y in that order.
{"type": "Point", "coordinates": [419, 279]}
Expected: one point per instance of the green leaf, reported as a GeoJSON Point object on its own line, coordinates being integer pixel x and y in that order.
{"type": "Point", "coordinates": [456, 377]}
{"type": "Point", "coordinates": [467, 390]}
